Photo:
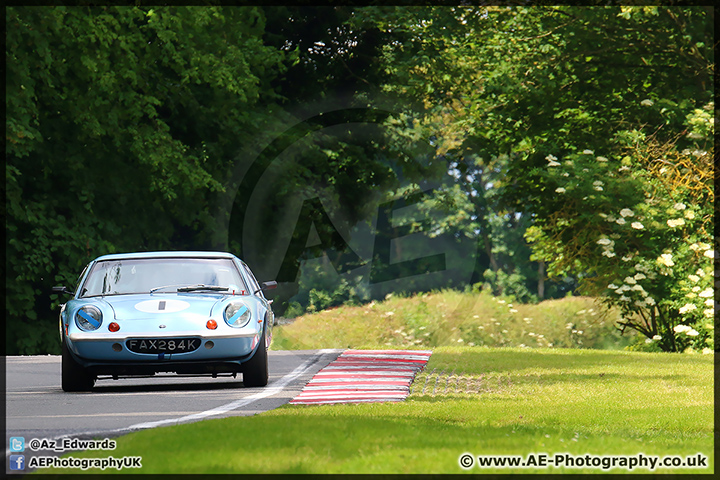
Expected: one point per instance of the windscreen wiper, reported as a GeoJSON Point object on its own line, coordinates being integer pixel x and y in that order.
{"type": "Point", "coordinates": [214, 288]}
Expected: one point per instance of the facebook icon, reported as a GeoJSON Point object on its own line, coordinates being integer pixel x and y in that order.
{"type": "Point", "coordinates": [17, 462]}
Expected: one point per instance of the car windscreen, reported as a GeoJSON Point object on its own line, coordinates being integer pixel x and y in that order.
{"type": "Point", "coordinates": [162, 275]}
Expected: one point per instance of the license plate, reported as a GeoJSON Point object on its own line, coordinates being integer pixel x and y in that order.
{"type": "Point", "coordinates": [162, 345]}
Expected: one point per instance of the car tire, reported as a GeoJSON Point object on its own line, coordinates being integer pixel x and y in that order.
{"type": "Point", "coordinates": [74, 377]}
{"type": "Point", "coordinates": [255, 371]}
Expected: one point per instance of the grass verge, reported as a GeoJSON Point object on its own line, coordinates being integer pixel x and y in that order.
{"type": "Point", "coordinates": [514, 402]}
{"type": "Point", "coordinates": [450, 317]}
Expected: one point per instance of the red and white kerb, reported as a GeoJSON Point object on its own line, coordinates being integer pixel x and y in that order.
{"type": "Point", "coordinates": [360, 376]}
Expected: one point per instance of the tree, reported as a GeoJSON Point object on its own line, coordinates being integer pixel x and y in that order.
{"type": "Point", "coordinates": [552, 83]}
{"type": "Point", "coordinates": [649, 253]}
{"type": "Point", "coordinates": [120, 121]}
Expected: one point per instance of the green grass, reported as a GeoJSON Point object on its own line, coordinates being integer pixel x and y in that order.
{"type": "Point", "coordinates": [455, 318]}
{"type": "Point", "coordinates": [506, 401]}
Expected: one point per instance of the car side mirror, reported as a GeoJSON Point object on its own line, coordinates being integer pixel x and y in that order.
{"type": "Point", "coordinates": [267, 286]}
{"type": "Point", "coordinates": [62, 289]}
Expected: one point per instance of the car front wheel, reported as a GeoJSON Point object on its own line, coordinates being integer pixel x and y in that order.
{"type": "Point", "coordinates": [255, 372]}
{"type": "Point", "coordinates": [74, 377]}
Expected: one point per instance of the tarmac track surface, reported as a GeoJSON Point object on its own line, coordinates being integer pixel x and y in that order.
{"type": "Point", "coordinates": [37, 407]}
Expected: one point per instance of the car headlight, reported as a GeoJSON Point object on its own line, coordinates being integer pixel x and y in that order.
{"type": "Point", "coordinates": [237, 314]}
{"type": "Point", "coordinates": [88, 318]}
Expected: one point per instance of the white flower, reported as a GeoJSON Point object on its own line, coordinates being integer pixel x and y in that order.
{"type": "Point", "coordinates": [694, 278]}
{"type": "Point", "coordinates": [608, 253]}
{"type": "Point", "coordinates": [692, 333]}
{"type": "Point", "coordinates": [630, 280]}
{"type": "Point", "coordinates": [709, 253]}
{"type": "Point", "coordinates": [623, 168]}
{"type": "Point", "coordinates": [588, 152]}
{"type": "Point", "coordinates": [598, 183]}
{"type": "Point", "coordinates": [601, 159]}
{"type": "Point", "coordinates": [700, 272]}
{"type": "Point", "coordinates": [657, 337]}
{"type": "Point", "coordinates": [696, 289]}
{"type": "Point", "coordinates": [677, 222]}
{"type": "Point", "coordinates": [638, 303]}
{"type": "Point", "coordinates": [647, 103]}
{"type": "Point", "coordinates": [681, 328]}
{"type": "Point", "coordinates": [694, 247]}
{"type": "Point", "coordinates": [665, 259]}
{"type": "Point", "coordinates": [637, 225]}
{"type": "Point", "coordinates": [648, 340]}
{"type": "Point", "coordinates": [604, 241]}
{"type": "Point", "coordinates": [560, 190]}
{"type": "Point", "coordinates": [704, 246]}
{"type": "Point", "coordinates": [637, 288]}
{"type": "Point", "coordinates": [551, 158]}
{"type": "Point", "coordinates": [706, 293]}
{"type": "Point", "coordinates": [599, 189]}
{"type": "Point", "coordinates": [650, 301]}
{"type": "Point", "coordinates": [709, 312]}
{"type": "Point", "coordinates": [687, 308]}
{"type": "Point", "coordinates": [612, 286]}
{"type": "Point", "coordinates": [689, 215]}
{"type": "Point", "coordinates": [707, 351]}
{"type": "Point", "coordinates": [620, 221]}
{"type": "Point", "coordinates": [709, 302]}
{"type": "Point", "coordinates": [626, 212]}
{"type": "Point", "coordinates": [639, 276]}
{"type": "Point", "coordinates": [624, 299]}
{"type": "Point", "coordinates": [679, 206]}
{"type": "Point", "coordinates": [553, 164]}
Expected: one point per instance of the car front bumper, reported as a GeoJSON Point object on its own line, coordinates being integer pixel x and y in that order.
{"type": "Point", "coordinates": [107, 353]}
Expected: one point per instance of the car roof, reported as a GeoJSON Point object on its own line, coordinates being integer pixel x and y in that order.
{"type": "Point", "coordinates": [167, 254]}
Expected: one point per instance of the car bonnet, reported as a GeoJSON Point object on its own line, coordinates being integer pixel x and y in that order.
{"type": "Point", "coordinates": [128, 307]}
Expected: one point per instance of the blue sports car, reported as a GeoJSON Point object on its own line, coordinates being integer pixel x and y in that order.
{"type": "Point", "coordinates": [184, 312]}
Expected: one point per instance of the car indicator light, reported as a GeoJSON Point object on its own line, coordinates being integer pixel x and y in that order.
{"type": "Point", "coordinates": [211, 324]}
{"type": "Point", "coordinates": [113, 327]}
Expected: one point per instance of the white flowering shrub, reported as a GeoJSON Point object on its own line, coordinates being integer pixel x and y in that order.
{"type": "Point", "coordinates": [638, 221]}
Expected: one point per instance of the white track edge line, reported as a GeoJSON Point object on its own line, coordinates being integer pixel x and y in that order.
{"type": "Point", "coordinates": [274, 388]}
